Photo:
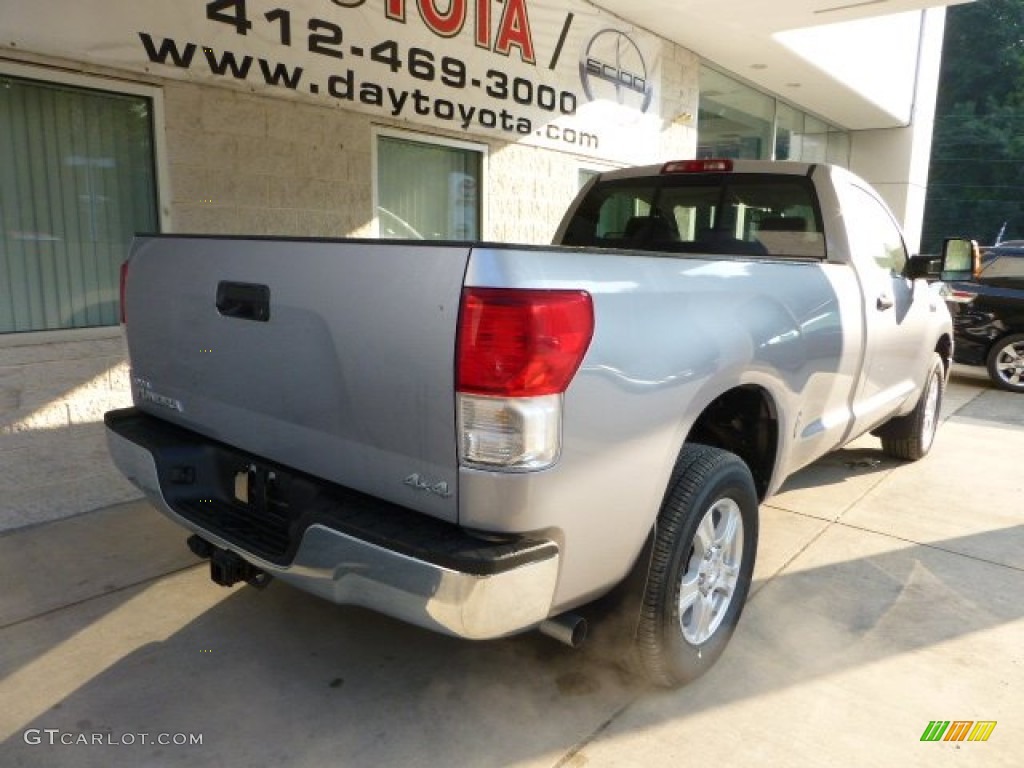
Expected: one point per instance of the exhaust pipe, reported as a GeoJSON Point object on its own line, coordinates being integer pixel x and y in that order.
{"type": "Point", "coordinates": [568, 628]}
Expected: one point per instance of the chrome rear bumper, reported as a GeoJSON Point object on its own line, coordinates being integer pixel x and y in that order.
{"type": "Point", "coordinates": [346, 569]}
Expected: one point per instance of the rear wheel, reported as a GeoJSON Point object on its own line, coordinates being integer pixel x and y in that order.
{"type": "Point", "coordinates": [1006, 363]}
{"type": "Point", "coordinates": [701, 566]}
{"type": "Point", "coordinates": [910, 437]}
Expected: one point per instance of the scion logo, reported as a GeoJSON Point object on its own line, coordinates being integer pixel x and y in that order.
{"type": "Point", "coordinates": [612, 67]}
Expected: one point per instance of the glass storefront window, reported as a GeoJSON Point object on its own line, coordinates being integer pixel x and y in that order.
{"type": "Point", "coordinates": [734, 120]}
{"type": "Point", "coordinates": [77, 181]}
{"type": "Point", "coordinates": [738, 121]}
{"type": "Point", "coordinates": [427, 191]}
{"type": "Point", "coordinates": [789, 132]}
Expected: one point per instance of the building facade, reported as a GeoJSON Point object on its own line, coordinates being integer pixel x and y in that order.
{"type": "Point", "coordinates": [419, 119]}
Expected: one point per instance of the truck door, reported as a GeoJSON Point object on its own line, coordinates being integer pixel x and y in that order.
{"type": "Point", "coordinates": [897, 311]}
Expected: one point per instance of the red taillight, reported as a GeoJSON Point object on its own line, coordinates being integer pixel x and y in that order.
{"type": "Point", "coordinates": [124, 287]}
{"type": "Point", "coordinates": [716, 165]}
{"type": "Point", "coordinates": [521, 343]}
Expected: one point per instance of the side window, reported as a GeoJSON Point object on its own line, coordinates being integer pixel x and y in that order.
{"type": "Point", "coordinates": [875, 234]}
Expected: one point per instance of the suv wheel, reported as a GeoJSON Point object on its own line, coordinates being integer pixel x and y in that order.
{"type": "Point", "coordinates": [1006, 363]}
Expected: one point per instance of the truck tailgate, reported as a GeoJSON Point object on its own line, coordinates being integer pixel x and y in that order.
{"type": "Point", "coordinates": [334, 358]}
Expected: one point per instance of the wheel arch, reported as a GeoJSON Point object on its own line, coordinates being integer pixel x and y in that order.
{"type": "Point", "coordinates": [743, 420]}
{"type": "Point", "coordinates": [944, 346]}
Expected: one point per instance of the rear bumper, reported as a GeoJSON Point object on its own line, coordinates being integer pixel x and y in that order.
{"type": "Point", "coordinates": [343, 546]}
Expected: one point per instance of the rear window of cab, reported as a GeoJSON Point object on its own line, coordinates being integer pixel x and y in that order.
{"type": "Point", "coordinates": [718, 213]}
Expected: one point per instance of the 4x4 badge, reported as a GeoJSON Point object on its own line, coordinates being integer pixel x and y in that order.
{"type": "Point", "coordinates": [420, 484]}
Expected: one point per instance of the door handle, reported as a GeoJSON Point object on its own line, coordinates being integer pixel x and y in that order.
{"type": "Point", "coordinates": [244, 301]}
{"type": "Point", "coordinates": [884, 302]}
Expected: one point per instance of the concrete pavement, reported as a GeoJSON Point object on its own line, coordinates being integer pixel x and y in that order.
{"type": "Point", "coordinates": [886, 596]}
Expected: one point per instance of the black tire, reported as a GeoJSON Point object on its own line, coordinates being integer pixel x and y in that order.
{"type": "Point", "coordinates": [710, 491]}
{"type": "Point", "coordinates": [910, 437]}
{"type": "Point", "coordinates": [1005, 363]}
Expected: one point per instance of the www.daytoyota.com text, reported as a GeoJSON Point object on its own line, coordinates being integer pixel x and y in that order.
{"type": "Point", "coordinates": [508, 95]}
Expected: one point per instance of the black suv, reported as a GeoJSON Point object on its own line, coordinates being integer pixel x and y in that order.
{"type": "Point", "coordinates": [988, 316]}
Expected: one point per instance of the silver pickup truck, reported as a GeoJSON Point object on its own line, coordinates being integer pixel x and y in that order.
{"type": "Point", "coordinates": [481, 438]}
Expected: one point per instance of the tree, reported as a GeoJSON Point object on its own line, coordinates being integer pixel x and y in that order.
{"type": "Point", "coordinates": [976, 180]}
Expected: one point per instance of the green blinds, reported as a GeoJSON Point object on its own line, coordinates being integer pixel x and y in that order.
{"type": "Point", "coordinates": [427, 191]}
{"type": "Point", "coordinates": [77, 180]}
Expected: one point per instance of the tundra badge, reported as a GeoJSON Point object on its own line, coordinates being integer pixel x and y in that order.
{"type": "Point", "coordinates": [148, 394]}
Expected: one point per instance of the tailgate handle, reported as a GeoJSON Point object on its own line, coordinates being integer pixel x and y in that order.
{"type": "Point", "coordinates": [245, 301]}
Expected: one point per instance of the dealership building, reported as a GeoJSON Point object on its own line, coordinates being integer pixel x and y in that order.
{"type": "Point", "coordinates": [412, 119]}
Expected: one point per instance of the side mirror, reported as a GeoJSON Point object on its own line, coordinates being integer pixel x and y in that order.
{"type": "Point", "coordinates": [960, 259]}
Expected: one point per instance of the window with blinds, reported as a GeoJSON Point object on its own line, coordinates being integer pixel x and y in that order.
{"type": "Point", "coordinates": [77, 181]}
{"type": "Point", "coordinates": [427, 191]}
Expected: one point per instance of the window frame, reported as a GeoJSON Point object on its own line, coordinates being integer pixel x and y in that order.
{"type": "Point", "coordinates": [121, 87]}
{"type": "Point", "coordinates": [377, 132]}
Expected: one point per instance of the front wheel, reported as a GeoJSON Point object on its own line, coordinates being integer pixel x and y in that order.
{"type": "Point", "coordinates": [910, 437]}
{"type": "Point", "coordinates": [1006, 363]}
{"type": "Point", "coordinates": [701, 566]}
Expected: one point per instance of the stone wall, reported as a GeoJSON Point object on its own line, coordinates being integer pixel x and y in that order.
{"type": "Point", "coordinates": [246, 164]}
{"type": "Point", "coordinates": [53, 455]}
